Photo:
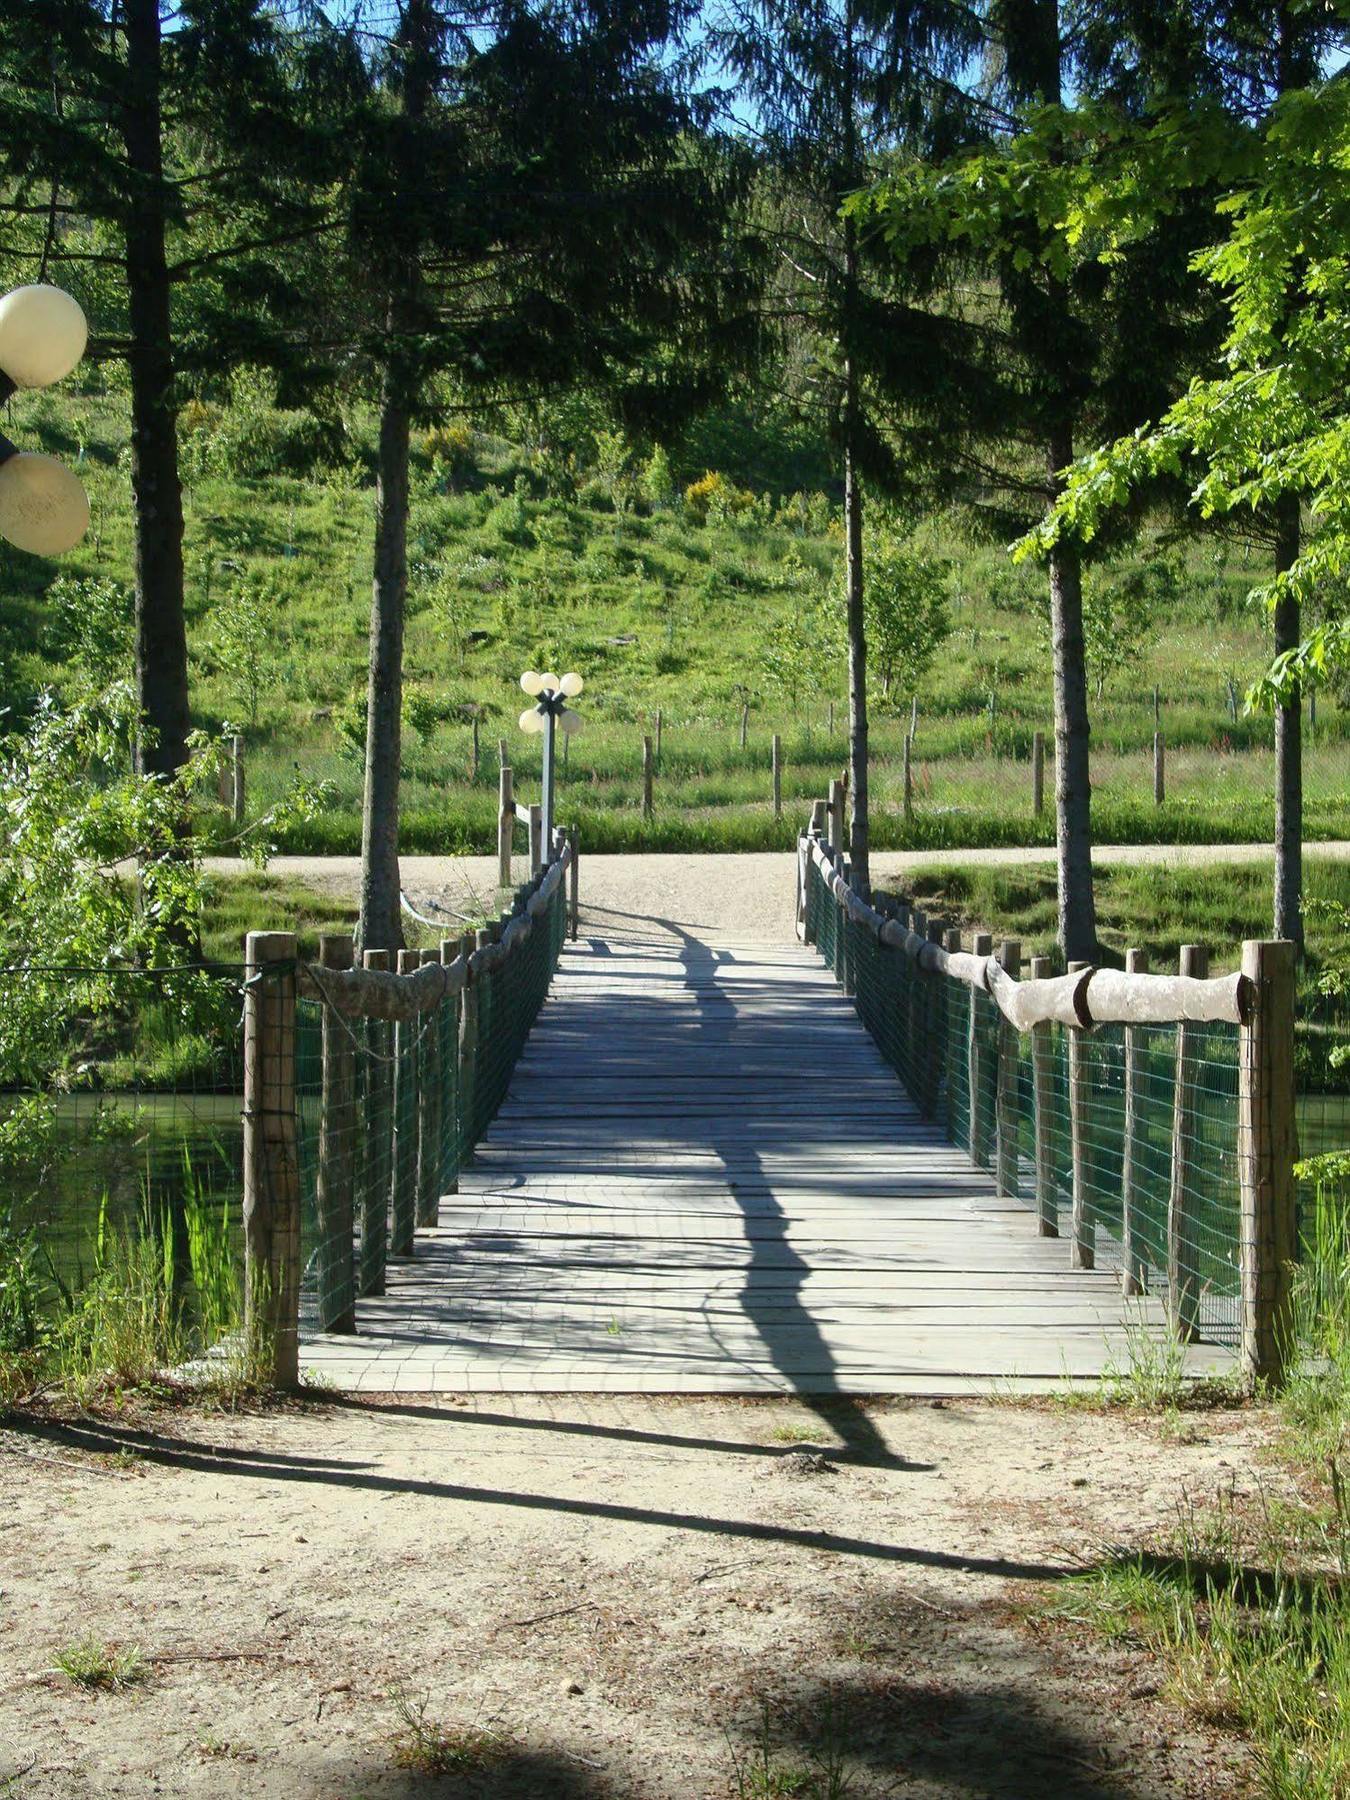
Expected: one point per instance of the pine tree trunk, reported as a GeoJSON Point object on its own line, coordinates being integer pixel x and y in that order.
{"type": "Point", "coordinates": [380, 926]}
{"type": "Point", "coordinates": [161, 636]}
{"type": "Point", "coordinates": [1288, 748]}
{"type": "Point", "coordinates": [1073, 782]}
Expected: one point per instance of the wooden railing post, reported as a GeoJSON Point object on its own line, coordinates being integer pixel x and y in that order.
{"type": "Point", "coordinates": [909, 777]}
{"type": "Point", "coordinates": [1267, 1147]}
{"type": "Point", "coordinates": [378, 1143]}
{"type": "Point", "coordinates": [777, 756]}
{"type": "Point", "coordinates": [657, 746]}
{"type": "Point", "coordinates": [1132, 1265]}
{"type": "Point", "coordinates": [536, 839]}
{"type": "Point", "coordinates": [403, 1186]}
{"type": "Point", "coordinates": [574, 882]}
{"type": "Point", "coordinates": [334, 1202]}
{"type": "Point", "coordinates": [506, 824]}
{"type": "Point", "coordinates": [468, 1045]}
{"type": "Point", "coordinates": [745, 725]}
{"type": "Point", "coordinates": [951, 942]}
{"type": "Point", "coordinates": [449, 1084]}
{"type": "Point", "coordinates": [1083, 1248]}
{"type": "Point", "coordinates": [1159, 779]}
{"type": "Point", "coordinates": [1183, 1277]}
{"type": "Point", "coordinates": [429, 1111]}
{"type": "Point", "coordinates": [1038, 773]}
{"type": "Point", "coordinates": [271, 1164]}
{"type": "Point", "coordinates": [935, 1058]}
{"type": "Point", "coordinates": [1043, 1088]}
{"type": "Point", "coordinates": [835, 806]}
{"type": "Point", "coordinates": [1010, 960]}
{"type": "Point", "coordinates": [646, 778]}
{"type": "Point", "coordinates": [983, 945]}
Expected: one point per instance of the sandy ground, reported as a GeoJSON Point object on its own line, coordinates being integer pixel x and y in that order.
{"type": "Point", "coordinates": [746, 897]}
{"type": "Point", "coordinates": [627, 1593]}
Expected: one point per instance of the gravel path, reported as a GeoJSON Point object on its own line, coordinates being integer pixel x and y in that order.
{"type": "Point", "coordinates": [746, 897]}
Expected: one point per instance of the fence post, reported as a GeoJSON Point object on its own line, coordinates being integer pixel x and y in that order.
{"type": "Point", "coordinates": [236, 774]}
{"type": "Point", "coordinates": [1132, 1265]}
{"type": "Point", "coordinates": [377, 1157]}
{"type": "Point", "coordinates": [1010, 960]}
{"type": "Point", "coordinates": [1183, 1279]}
{"type": "Point", "coordinates": [468, 1046]}
{"type": "Point", "coordinates": [536, 839]}
{"type": "Point", "coordinates": [909, 777]}
{"type": "Point", "coordinates": [658, 734]}
{"type": "Point", "coordinates": [829, 729]}
{"type": "Point", "coordinates": [951, 943]}
{"type": "Point", "coordinates": [913, 716]}
{"type": "Point", "coordinates": [646, 778]}
{"type": "Point", "coordinates": [777, 759]}
{"type": "Point", "coordinates": [449, 1082]}
{"type": "Point", "coordinates": [745, 724]}
{"type": "Point", "coordinates": [1037, 773]}
{"type": "Point", "coordinates": [937, 1025]}
{"type": "Point", "coordinates": [1083, 1249]}
{"type": "Point", "coordinates": [1159, 777]}
{"type": "Point", "coordinates": [429, 1110]}
{"type": "Point", "coordinates": [1267, 1146]}
{"type": "Point", "coordinates": [574, 882]}
{"type": "Point", "coordinates": [836, 811]}
{"type": "Point", "coordinates": [506, 824]}
{"type": "Point", "coordinates": [983, 945]}
{"type": "Point", "coordinates": [403, 1185]}
{"type": "Point", "coordinates": [1042, 1078]}
{"type": "Point", "coordinates": [271, 1165]}
{"type": "Point", "coordinates": [333, 1196]}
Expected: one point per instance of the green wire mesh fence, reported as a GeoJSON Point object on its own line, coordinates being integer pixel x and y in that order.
{"type": "Point", "coordinates": [1123, 1139]}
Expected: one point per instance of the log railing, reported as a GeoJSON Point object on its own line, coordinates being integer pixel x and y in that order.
{"type": "Point", "coordinates": [365, 1091]}
{"type": "Point", "coordinates": [1146, 1118]}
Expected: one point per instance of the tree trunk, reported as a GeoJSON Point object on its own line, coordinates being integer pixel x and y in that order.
{"type": "Point", "coordinates": [1288, 747]}
{"type": "Point", "coordinates": [1073, 782]}
{"type": "Point", "coordinates": [380, 926]}
{"type": "Point", "coordinates": [161, 636]}
{"type": "Point", "coordinates": [857, 663]}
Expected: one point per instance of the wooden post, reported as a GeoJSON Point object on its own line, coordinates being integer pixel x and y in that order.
{"type": "Point", "coordinates": [536, 839]}
{"type": "Point", "coordinates": [1267, 1147]}
{"type": "Point", "coordinates": [1157, 710]}
{"type": "Point", "coordinates": [506, 824]}
{"type": "Point", "coordinates": [403, 1184]}
{"type": "Point", "coordinates": [1132, 1266]}
{"type": "Point", "coordinates": [913, 716]}
{"type": "Point", "coordinates": [909, 778]}
{"type": "Point", "coordinates": [468, 1047]}
{"type": "Point", "coordinates": [836, 811]}
{"type": "Point", "coordinates": [777, 760]}
{"type": "Point", "coordinates": [646, 778]}
{"type": "Point", "coordinates": [334, 1202]}
{"type": "Point", "coordinates": [1083, 1249]}
{"type": "Point", "coordinates": [745, 724]}
{"type": "Point", "coordinates": [820, 818]}
{"type": "Point", "coordinates": [574, 883]}
{"type": "Point", "coordinates": [983, 945]}
{"type": "Point", "coordinates": [237, 771]}
{"type": "Point", "coordinates": [658, 734]}
{"type": "Point", "coordinates": [1183, 1276]}
{"type": "Point", "coordinates": [429, 1111]}
{"type": "Point", "coordinates": [450, 1097]}
{"type": "Point", "coordinates": [377, 1143]}
{"type": "Point", "coordinates": [271, 1164]}
{"type": "Point", "coordinates": [1010, 959]}
{"type": "Point", "coordinates": [501, 753]}
{"type": "Point", "coordinates": [1043, 1089]}
{"type": "Point", "coordinates": [1159, 781]}
{"type": "Point", "coordinates": [936, 1015]}
{"type": "Point", "coordinates": [951, 942]}
{"type": "Point", "coordinates": [830, 726]}
{"type": "Point", "coordinates": [1038, 774]}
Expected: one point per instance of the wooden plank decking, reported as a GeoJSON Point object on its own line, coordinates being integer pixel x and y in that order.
{"type": "Point", "coordinates": [705, 1178]}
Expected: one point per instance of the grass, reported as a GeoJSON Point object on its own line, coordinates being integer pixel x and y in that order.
{"type": "Point", "coordinates": [428, 1748]}
{"type": "Point", "coordinates": [100, 1667]}
{"type": "Point", "coordinates": [512, 568]}
{"type": "Point", "coordinates": [817, 1767]}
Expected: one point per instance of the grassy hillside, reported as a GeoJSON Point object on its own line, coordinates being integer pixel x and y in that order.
{"type": "Point", "coordinates": [658, 607]}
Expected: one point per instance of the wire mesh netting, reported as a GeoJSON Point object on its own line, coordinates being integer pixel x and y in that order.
{"type": "Point", "coordinates": [1148, 1115]}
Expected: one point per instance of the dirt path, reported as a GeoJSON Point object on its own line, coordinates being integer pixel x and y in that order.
{"type": "Point", "coordinates": [746, 897]}
{"type": "Point", "coordinates": [627, 1593]}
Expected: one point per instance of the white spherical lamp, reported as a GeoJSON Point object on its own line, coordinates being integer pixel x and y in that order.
{"type": "Point", "coordinates": [43, 507]}
{"type": "Point", "coordinates": [530, 682]}
{"type": "Point", "coordinates": [570, 721]}
{"type": "Point", "coordinates": [532, 720]}
{"type": "Point", "coordinates": [549, 683]}
{"type": "Point", "coordinates": [42, 335]}
{"type": "Point", "coordinates": [571, 685]}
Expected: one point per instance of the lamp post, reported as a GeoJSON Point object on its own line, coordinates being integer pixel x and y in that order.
{"type": "Point", "coordinates": [550, 696]}
{"type": "Point", "coordinates": [43, 507]}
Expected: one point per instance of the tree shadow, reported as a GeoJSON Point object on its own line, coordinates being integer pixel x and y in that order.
{"type": "Point", "coordinates": [517, 1774]}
